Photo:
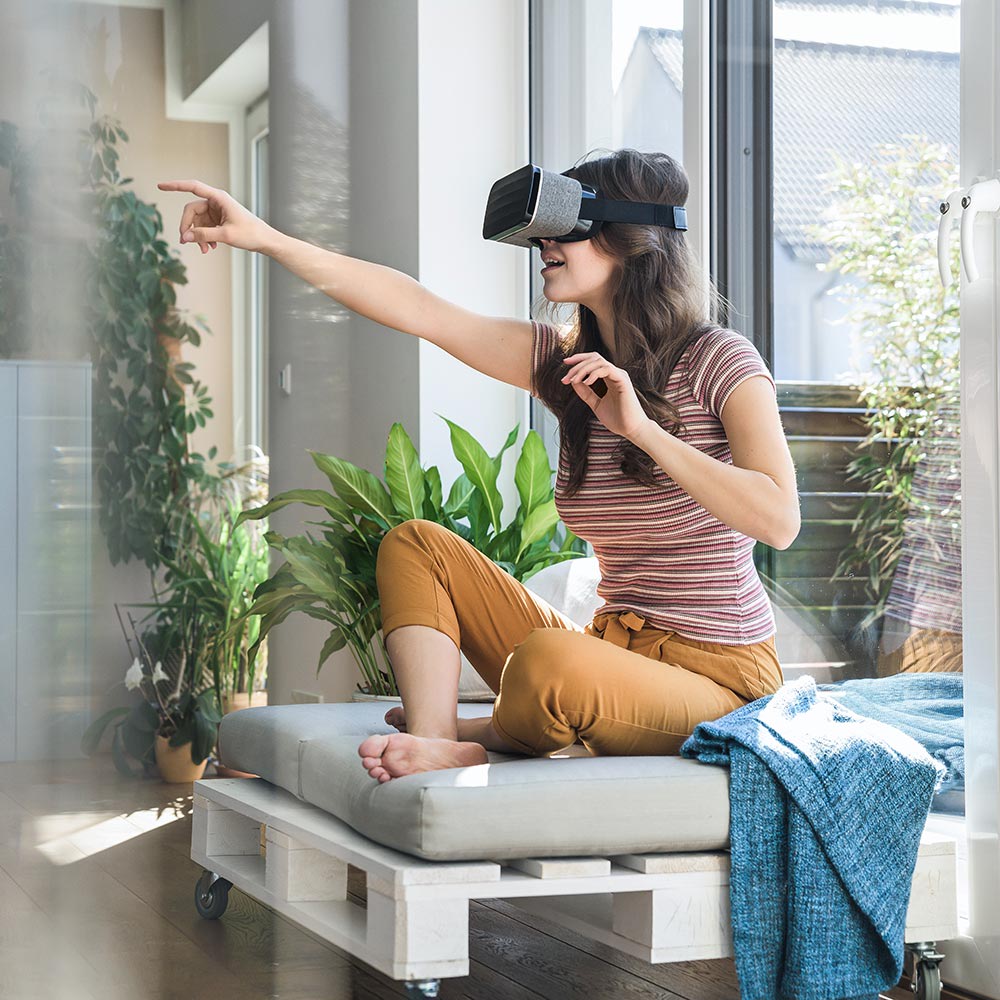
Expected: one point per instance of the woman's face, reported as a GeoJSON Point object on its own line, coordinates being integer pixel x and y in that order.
{"type": "Point", "coordinates": [583, 276]}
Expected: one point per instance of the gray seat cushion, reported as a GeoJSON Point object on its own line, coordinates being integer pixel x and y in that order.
{"type": "Point", "coordinates": [512, 807]}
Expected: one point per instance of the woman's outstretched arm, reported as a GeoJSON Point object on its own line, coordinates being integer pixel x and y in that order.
{"type": "Point", "coordinates": [498, 346]}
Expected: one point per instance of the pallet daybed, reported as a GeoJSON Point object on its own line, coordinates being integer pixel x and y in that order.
{"type": "Point", "coordinates": [629, 851]}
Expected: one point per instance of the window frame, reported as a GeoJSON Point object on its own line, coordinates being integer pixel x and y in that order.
{"type": "Point", "coordinates": [255, 339]}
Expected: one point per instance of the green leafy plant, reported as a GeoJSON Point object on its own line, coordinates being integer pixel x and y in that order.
{"type": "Point", "coordinates": [218, 566]}
{"type": "Point", "coordinates": [146, 401]}
{"type": "Point", "coordinates": [332, 578]}
{"type": "Point", "coordinates": [199, 639]}
{"type": "Point", "coordinates": [884, 230]}
{"type": "Point", "coordinates": [176, 702]}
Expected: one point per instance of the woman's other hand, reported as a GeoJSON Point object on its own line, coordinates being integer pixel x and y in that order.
{"type": "Point", "coordinates": [217, 217]}
{"type": "Point", "coordinates": [618, 408]}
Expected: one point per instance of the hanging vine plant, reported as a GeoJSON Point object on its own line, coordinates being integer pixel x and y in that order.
{"type": "Point", "coordinates": [146, 401]}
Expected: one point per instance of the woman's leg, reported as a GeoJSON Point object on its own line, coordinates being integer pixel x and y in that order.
{"type": "Point", "coordinates": [440, 594]}
{"type": "Point", "coordinates": [558, 686]}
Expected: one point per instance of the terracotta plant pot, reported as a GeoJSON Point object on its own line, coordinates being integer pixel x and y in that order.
{"type": "Point", "coordinates": [241, 699]}
{"type": "Point", "coordinates": [175, 763]}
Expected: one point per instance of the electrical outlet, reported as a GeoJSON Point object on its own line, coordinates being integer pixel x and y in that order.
{"type": "Point", "coordinates": [305, 697]}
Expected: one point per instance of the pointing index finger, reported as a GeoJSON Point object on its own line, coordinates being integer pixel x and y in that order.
{"type": "Point", "coordinates": [194, 186]}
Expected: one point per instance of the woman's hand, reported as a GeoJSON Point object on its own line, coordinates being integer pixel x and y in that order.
{"type": "Point", "coordinates": [619, 408]}
{"type": "Point", "coordinates": [218, 218]}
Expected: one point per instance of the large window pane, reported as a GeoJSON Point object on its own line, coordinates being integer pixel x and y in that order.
{"type": "Point", "coordinates": [866, 120]}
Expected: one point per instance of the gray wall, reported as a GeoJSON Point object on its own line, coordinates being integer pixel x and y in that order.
{"type": "Point", "coordinates": [309, 199]}
{"type": "Point", "coordinates": [212, 30]}
{"type": "Point", "coordinates": [435, 98]}
{"type": "Point", "coordinates": [384, 216]}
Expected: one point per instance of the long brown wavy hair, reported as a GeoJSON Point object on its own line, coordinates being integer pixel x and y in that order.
{"type": "Point", "coordinates": [657, 302]}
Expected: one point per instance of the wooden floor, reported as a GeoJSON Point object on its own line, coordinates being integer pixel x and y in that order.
{"type": "Point", "coordinates": [97, 903]}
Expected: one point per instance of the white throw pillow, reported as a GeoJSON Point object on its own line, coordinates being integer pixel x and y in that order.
{"type": "Point", "coordinates": [570, 587]}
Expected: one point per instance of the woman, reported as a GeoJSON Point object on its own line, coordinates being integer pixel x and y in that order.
{"type": "Point", "coordinates": [672, 462]}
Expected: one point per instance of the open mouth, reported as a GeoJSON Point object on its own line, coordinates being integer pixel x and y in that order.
{"type": "Point", "coordinates": [552, 267]}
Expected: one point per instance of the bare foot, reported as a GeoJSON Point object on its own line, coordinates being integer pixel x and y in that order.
{"type": "Point", "coordinates": [397, 717]}
{"type": "Point", "coordinates": [390, 756]}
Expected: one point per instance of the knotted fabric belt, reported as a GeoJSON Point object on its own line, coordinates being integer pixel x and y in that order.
{"type": "Point", "coordinates": [615, 628]}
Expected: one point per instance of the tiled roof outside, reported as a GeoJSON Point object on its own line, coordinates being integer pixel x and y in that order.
{"type": "Point", "coordinates": [843, 99]}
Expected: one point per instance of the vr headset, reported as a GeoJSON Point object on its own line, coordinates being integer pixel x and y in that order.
{"type": "Point", "coordinates": [532, 204]}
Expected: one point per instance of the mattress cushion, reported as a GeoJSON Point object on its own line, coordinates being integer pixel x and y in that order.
{"type": "Point", "coordinates": [512, 807]}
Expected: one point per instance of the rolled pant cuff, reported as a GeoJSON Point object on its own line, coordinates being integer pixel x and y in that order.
{"type": "Point", "coordinates": [429, 618]}
{"type": "Point", "coordinates": [517, 744]}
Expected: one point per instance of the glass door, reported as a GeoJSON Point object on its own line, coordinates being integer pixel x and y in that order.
{"type": "Point", "coordinates": [865, 116]}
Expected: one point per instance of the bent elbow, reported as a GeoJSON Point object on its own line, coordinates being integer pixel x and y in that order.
{"type": "Point", "coordinates": [784, 539]}
{"type": "Point", "coordinates": [781, 534]}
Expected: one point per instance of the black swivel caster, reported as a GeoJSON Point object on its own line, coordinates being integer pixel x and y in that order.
{"type": "Point", "coordinates": [926, 983]}
{"type": "Point", "coordinates": [211, 895]}
{"type": "Point", "coordinates": [423, 988]}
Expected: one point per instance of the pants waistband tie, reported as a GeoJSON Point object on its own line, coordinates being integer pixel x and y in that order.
{"type": "Point", "coordinates": [615, 628]}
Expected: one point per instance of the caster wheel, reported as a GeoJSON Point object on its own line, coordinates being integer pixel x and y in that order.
{"type": "Point", "coordinates": [423, 988]}
{"type": "Point", "coordinates": [927, 984]}
{"type": "Point", "coordinates": [211, 895]}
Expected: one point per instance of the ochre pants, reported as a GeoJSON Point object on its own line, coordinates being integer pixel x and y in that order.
{"type": "Point", "coordinates": [617, 686]}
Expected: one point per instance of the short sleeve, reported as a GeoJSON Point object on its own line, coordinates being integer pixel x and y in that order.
{"type": "Point", "coordinates": [544, 343]}
{"type": "Point", "coordinates": [720, 361]}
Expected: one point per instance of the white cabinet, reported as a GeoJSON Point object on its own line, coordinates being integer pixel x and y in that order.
{"type": "Point", "coordinates": [45, 492]}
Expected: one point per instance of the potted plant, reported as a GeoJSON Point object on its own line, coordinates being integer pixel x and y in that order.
{"type": "Point", "coordinates": [332, 577]}
{"type": "Point", "coordinates": [221, 563]}
{"type": "Point", "coordinates": [176, 722]}
{"type": "Point", "coordinates": [190, 662]}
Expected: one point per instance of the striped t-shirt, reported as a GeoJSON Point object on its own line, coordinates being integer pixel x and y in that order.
{"type": "Point", "coordinates": [661, 554]}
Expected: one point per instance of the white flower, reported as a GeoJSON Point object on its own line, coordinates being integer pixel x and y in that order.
{"type": "Point", "coordinates": [133, 677]}
{"type": "Point", "coordinates": [159, 674]}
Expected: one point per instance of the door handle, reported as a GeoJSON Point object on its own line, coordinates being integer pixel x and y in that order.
{"type": "Point", "coordinates": [946, 224]}
{"type": "Point", "coordinates": [983, 196]}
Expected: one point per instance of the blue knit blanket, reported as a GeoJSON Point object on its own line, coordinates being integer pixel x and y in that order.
{"type": "Point", "coordinates": [928, 707]}
{"type": "Point", "coordinates": [826, 813]}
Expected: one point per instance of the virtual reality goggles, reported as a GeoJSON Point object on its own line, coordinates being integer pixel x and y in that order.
{"type": "Point", "coordinates": [532, 204]}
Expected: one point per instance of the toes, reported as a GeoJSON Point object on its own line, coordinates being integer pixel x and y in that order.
{"type": "Point", "coordinates": [373, 746]}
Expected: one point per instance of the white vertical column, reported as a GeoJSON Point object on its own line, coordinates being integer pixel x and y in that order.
{"type": "Point", "coordinates": [975, 963]}
{"type": "Point", "coordinates": [472, 93]}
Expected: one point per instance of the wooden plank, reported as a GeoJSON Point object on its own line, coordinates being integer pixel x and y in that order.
{"type": "Point", "coordinates": [561, 867]}
{"type": "Point", "coordinates": [716, 861]}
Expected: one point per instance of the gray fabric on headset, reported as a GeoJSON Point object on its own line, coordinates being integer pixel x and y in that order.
{"type": "Point", "coordinates": [556, 212]}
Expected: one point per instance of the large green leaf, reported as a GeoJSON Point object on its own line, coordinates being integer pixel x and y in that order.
{"type": "Point", "coordinates": [461, 492]}
{"type": "Point", "coordinates": [540, 520]}
{"type": "Point", "coordinates": [403, 474]}
{"type": "Point", "coordinates": [479, 467]}
{"type": "Point", "coordinates": [357, 487]}
{"type": "Point", "coordinates": [336, 640]}
{"type": "Point", "coordinates": [92, 737]}
{"type": "Point", "coordinates": [314, 498]}
{"type": "Point", "coordinates": [311, 568]}
{"type": "Point", "coordinates": [511, 438]}
{"type": "Point", "coordinates": [533, 474]}
{"type": "Point", "coordinates": [432, 494]}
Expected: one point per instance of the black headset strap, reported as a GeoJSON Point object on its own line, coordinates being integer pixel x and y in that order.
{"type": "Point", "coordinates": [643, 213]}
